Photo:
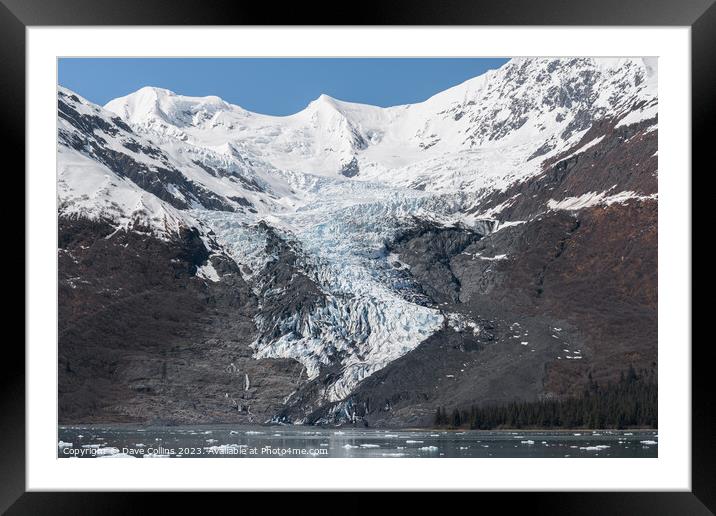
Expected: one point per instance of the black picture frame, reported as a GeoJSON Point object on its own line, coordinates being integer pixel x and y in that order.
{"type": "Point", "coordinates": [699, 15]}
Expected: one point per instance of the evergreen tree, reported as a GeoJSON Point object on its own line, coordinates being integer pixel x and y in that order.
{"type": "Point", "coordinates": [455, 420]}
{"type": "Point", "coordinates": [439, 417]}
{"type": "Point", "coordinates": [631, 402]}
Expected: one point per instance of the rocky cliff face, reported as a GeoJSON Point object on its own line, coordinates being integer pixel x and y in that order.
{"type": "Point", "coordinates": [144, 339]}
{"type": "Point", "coordinates": [496, 242]}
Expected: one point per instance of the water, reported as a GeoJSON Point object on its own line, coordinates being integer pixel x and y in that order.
{"type": "Point", "coordinates": [226, 441]}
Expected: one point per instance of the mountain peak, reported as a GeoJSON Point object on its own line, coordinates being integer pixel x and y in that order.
{"type": "Point", "coordinates": [325, 98]}
{"type": "Point", "coordinates": [324, 101]}
{"type": "Point", "coordinates": [152, 103]}
{"type": "Point", "coordinates": [154, 90]}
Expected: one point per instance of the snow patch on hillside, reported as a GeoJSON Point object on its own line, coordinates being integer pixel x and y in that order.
{"type": "Point", "coordinates": [597, 198]}
{"type": "Point", "coordinates": [88, 189]}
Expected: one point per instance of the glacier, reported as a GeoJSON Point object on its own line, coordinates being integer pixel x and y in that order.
{"type": "Point", "coordinates": [336, 183]}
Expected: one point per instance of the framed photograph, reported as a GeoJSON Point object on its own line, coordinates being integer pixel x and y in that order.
{"type": "Point", "coordinates": [444, 248]}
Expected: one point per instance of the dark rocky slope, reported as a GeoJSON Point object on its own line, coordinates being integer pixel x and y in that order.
{"type": "Point", "coordinates": [142, 339]}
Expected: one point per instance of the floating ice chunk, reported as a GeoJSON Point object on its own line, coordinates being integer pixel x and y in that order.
{"type": "Point", "coordinates": [370, 445]}
{"type": "Point", "coordinates": [62, 445]}
{"type": "Point", "coordinates": [115, 455]}
{"type": "Point", "coordinates": [648, 442]}
{"type": "Point", "coordinates": [428, 448]}
{"type": "Point", "coordinates": [528, 441]}
{"type": "Point", "coordinates": [349, 446]}
{"type": "Point", "coordinates": [410, 441]}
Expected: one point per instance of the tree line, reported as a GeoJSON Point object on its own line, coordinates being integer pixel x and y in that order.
{"type": "Point", "coordinates": [630, 402]}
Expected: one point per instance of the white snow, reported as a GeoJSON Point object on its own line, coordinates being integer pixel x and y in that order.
{"type": "Point", "coordinates": [597, 198]}
{"type": "Point", "coordinates": [507, 224]}
{"type": "Point", "coordinates": [207, 271]}
{"type": "Point", "coordinates": [633, 117]}
{"type": "Point", "coordinates": [497, 257]}
{"type": "Point", "coordinates": [89, 189]}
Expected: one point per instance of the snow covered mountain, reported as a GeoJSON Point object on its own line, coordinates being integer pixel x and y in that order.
{"type": "Point", "coordinates": [324, 214]}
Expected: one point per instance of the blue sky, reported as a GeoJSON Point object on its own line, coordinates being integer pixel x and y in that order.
{"type": "Point", "coordinates": [276, 86]}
